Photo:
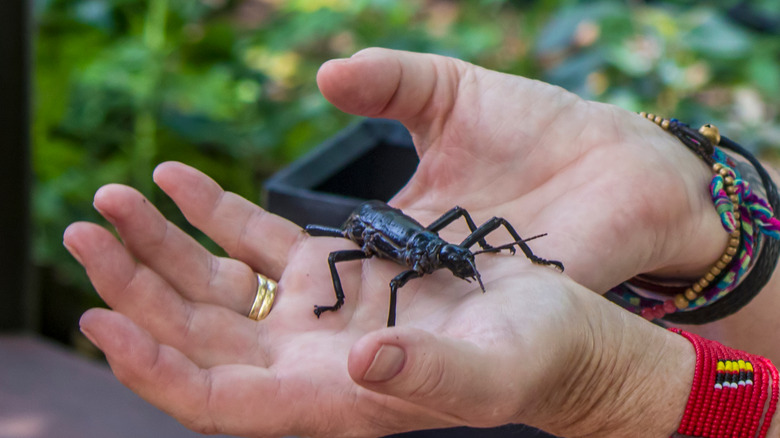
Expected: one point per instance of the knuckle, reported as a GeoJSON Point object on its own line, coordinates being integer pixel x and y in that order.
{"type": "Point", "coordinates": [429, 379]}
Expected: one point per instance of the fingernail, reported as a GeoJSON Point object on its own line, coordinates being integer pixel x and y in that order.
{"type": "Point", "coordinates": [387, 363]}
{"type": "Point", "coordinates": [73, 252]}
{"type": "Point", "coordinates": [105, 215]}
{"type": "Point", "coordinates": [101, 193]}
{"type": "Point", "coordinates": [89, 336]}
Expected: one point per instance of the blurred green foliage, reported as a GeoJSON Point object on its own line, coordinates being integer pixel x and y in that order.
{"type": "Point", "coordinates": [228, 85]}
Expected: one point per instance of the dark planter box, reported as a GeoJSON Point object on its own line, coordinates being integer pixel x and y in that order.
{"type": "Point", "coordinates": [370, 160]}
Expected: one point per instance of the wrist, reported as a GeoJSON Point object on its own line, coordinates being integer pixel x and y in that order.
{"type": "Point", "coordinates": [693, 260]}
{"type": "Point", "coordinates": [734, 393]}
{"type": "Point", "coordinates": [634, 380]}
{"type": "Point", "coordinates": [745, 213]}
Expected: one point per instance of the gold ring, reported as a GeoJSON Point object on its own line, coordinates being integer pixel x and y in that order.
{"type": "Point", "coordinates": [264, 299]}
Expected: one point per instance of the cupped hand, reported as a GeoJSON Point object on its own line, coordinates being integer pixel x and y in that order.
{"type": "Point", "coordinates": [613, 192]}
{"type": "Point", "coordinates": [616, 194]}
{"type": "Point", "coordinates": [178, 333]}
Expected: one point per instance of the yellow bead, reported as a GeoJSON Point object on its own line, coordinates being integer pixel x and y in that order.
{"type": "Point", "coordinates": [680, 301]}
{"type": "Point", "coordinates": [735, 234]}
{"type": "Point", "coordinates": [696, 288]}
{"type": "Point", "coordinates": [716, 271]}
{"type": "Point", "coordinates": [650, 116]}
{"type": "Point", "coordinates": [690, 294]}
{"type": "Point", "coordinates": [643, 114]}
{"type": "Point", "coordinates": [720, 264]}
{"type": "Point", "coordinates": [658, 119]}
{"type": "Point", "coordinates": [710, 276]}
{"type": "Point", "coordinates": [732, 251]}
{"type": "Point", "coordinates": [665, 124]}
{"type": "Point", "coordinates": [726, 258]}
{"type": "Point", "coordinates": [703, 283]}
{"type": "Point", "coordinates": [733, 243]}
{"type": "Point", "coordinates": [711, 132]}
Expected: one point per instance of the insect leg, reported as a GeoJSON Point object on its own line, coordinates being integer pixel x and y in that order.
{"type": "Point", "coordinates": [333, 258]}
{"type": "Point", "coordinates": [395, 283]}
{"type": "Point", "coordinates": [496, 222]}
{"type": "Point", "coordinates": [449, 217]}
{"type": "Point", "coordinates": [322, 231]}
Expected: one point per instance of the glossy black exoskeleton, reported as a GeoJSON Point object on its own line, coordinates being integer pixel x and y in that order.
{"type": "Point", "coordinates": [388, 233]}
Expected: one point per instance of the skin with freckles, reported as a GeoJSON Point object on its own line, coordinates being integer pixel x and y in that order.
{"type": "Point", "coordinates": [552, 353]}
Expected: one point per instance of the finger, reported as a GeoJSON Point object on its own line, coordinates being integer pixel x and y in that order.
{"type": "Point", "coordinates": [208, 334]}
{"type": "Point", "coordinates": [440, 373]}
{"type": "Point", "coordinates": [246, 231]}
{"type": "Point", "coordinates": [218, 400]}
{"type": "Point", "coordinates": [134, 356]}
{"type": "Point", "coordinates": [168, 250]}
{"type": "Point", "coordinates": [416, 89]}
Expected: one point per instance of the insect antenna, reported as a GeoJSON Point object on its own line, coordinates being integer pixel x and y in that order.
{"type": "Point", "coordinates": [508, 245]}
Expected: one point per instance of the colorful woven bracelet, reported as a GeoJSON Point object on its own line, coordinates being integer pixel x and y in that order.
{"type": "Point", "coordinates": [729, 392]}
{"type": "Point", "coordinates": [745, 215]}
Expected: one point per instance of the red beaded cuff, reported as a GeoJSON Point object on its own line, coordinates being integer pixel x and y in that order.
{"type": "Point", "coordinates": [729, 393]}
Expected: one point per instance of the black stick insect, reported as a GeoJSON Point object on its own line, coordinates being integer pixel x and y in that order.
{"type": "Point", "coordinates": [388, 233]}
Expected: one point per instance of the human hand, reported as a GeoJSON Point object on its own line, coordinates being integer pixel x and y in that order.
{"type": "Point", "coordinates": [536, 348]}
{"type": "Point", "coordinates": [617, 195]}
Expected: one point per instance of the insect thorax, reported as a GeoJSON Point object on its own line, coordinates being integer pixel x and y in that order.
{"type": "Point", "coordinates": [422, 252]}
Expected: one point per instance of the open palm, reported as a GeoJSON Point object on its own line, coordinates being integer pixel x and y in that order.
{"type": "Point", "coordinates": [178, 334]}
{"type": "Point", "coordinates": [617, 195]}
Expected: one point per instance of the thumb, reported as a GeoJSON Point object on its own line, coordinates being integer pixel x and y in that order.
{"type": "Point", "coordinates": [451, 376]}
{"type": "Point", "coordinates": [411, 87]}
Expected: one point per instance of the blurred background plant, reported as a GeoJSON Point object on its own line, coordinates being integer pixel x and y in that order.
{"type": "Point", "coordinates": [228, 85]}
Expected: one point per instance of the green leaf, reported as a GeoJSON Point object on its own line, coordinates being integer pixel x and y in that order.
{"type": "Point", "coordinates": [764, 72]}
{"type": "Point", "coordinates": [557, 35]}
{"type": "Point", "coordinates": [716, 37]}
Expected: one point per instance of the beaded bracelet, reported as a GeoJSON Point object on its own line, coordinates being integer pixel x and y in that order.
{"type": "Point", "coordinates": [729, 392]}
{"type": "Point", "coordinates": [733, 280]}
